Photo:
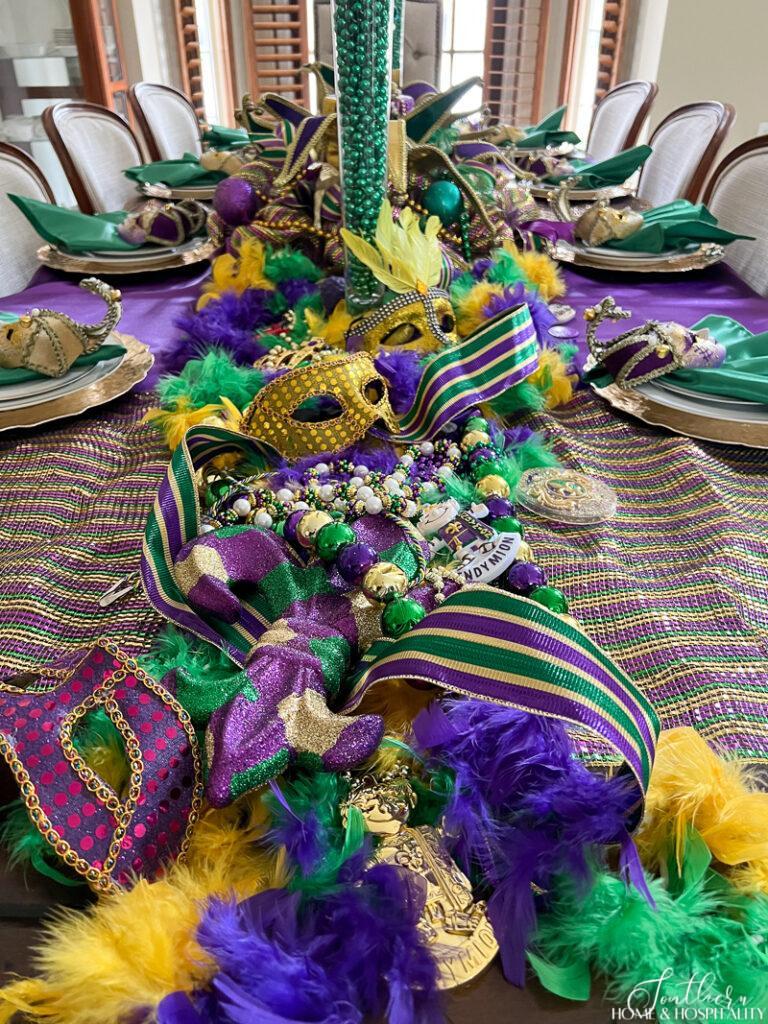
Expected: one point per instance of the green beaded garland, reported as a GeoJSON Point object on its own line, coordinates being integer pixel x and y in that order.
{"type": "Point", "coordinates": [331, 538]}
{"type": "Point", "coordinates": [400, 616]}
{"type": "Point", "coordinates": [508, 524]}
{"type": "Point", "coordinates": [551, 598]}
{"type": "Point", "coordinates": [443, 199]}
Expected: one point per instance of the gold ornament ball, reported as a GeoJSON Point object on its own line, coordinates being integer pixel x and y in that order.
{"type": "Point", "coordinates": [493, 485]}
{"type": "Point", "coordinates": [474, 437]}
{"type": "Point", "coordinates": [524, 553]}
{"type": "Point", "coordinates": [308, 526]}
{"type": "Point", "coordinates": [384, 580]}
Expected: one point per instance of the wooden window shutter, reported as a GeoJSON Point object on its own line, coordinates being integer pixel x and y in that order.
{"type": "Point", "coordinates": [611, 37]}
{"type": "Point", "coordinates": [277, 46]}
{"type": "Point", "coordinates": [515, 51]}
{"type": "Point", "coordinates": [189, 54]}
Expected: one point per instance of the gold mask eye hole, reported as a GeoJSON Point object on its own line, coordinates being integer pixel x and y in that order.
{"type": "Point", "coordinates": [403, 334]}
{"type": "Point", "coordinates": [447, 323]}
{"type": "Point", "coordinates": [374, 390]}
{"type": "Point", "coordinates": [318, 409]}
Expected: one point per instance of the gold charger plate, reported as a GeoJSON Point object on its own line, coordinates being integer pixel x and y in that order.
{"type": "Point", "coordinates": [689, 424]}
{"type": "Point", "coordinates": [133, 368]}
{"type": "Point", "coordinates": [57, 259]}
{"type": "Point", "coordinates": [202, 194]}
{"type": "Point", "coordinates": [671, 263]}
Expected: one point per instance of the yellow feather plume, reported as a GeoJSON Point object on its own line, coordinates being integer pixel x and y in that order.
{"type": "Point", "coordinates": [236, 273]}
{"type": "Point", "coordinates": [552, 379]}
{"type": "Point", "coordinates": [404, 258]}
{"type": "Point", "coordinates": [542, 271]}
{"type": "Point", "coordinates": [398, 703]}
{"type": "Point", "coordinates": [692, 786]}
{"type": "Point", "coordinates": [333, 329]}
{"type": "Point", "coordinates": [174, 423]}
{"type": "Point", "coordinates": [135, 947]}
{"type": "Point", "coordinates": [469, 309]}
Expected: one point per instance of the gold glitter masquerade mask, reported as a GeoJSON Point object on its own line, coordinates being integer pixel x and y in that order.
{"type": "Point", "coordinates": [48, 342]}
{"type": "Point", "coordinates": [320, 408]}
{"type": "Point", "coordinates": [414, 321]}
{"type": "Point", "coordinates": [602, 222]}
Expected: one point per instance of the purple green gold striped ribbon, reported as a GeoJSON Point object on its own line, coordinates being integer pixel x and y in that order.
{"type": "Point", "coordinates": [499, 354]}
{"type": "Point", "coordinates": [488, 644]}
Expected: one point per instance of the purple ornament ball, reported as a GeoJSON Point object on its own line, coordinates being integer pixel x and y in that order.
{"type": "Point", "coordinates": [235, 201]}
{"type": "Point", "coordinates": [354, 561]}
{"type": "Point", "coordinates": [522, 577]}
{"type": "Point", "coordinates": [289, 530]}
{"type": "Point", "coordinates": [499, 507]}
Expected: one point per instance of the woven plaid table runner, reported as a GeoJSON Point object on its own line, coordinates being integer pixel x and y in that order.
{"type": "Point", "coordinates": [674, 587]}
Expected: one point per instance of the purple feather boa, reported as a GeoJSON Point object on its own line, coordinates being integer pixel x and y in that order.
{"type": "Point", "coordinates": [228, 322]}
{"type": "Point", "coordinates": [522, 810]}
{"type": "Point", "coordinates": [338, 959]}
{"type": "Point", "coordinates": [513, 296]}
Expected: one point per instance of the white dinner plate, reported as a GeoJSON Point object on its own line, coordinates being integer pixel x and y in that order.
{"type": "Point", "coordinates": [91, 375]}
{"type": "Point", "coordinates": [748, 412]}
{"type": "Point", "coordinates": [729, 403]}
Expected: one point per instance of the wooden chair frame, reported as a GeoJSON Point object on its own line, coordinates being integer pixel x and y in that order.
{"type": "Point", "coordinates": [76, 181]}
{"type": "Point", "coordinates": [726, 114]}
{"type": "Point", "coordinates": [645, 108]}
{"type": "Point", "coordinates": [24, 158]}
{"type": "Point", "coordinates": [750, 146]}
{"type": "Point", "coordinates": [141, 118]}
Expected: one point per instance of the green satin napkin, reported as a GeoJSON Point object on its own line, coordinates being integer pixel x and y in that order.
{"type": "Point", "coordinates": [175, 173]}
{"type": "Point", "coordinates": [20, 375]}
{"type": "Point", "coordinates": [218, 136]}
{"type": "Point", "coordinates": [550, 123]}
{"type": "Point", "coordinates": [539, 139]}
{"type": "Point", "coordinates": [674, 226]}
{"type": "Point", "coordinates": [613, 171]}
{"type": "Point", "coordinates": [71, 229]}
{"type": "Point", "coordinates": [744, 374]}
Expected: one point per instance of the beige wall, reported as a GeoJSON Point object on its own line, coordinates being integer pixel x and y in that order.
{"type": "Point", "coordinates": [714, 49]}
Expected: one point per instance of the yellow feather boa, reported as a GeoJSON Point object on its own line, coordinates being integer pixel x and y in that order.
{"type": "Point", "coordinates": [692, 786]}
{"type": "Point", "coordinates": [131, 949]}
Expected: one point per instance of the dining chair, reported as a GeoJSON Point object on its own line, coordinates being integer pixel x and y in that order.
{"type": "Point", "coordinates": [735, 194]}
{"type": "Point", "coordinates": [95, 146]}
{"type": "Point", "coordinates": [166, 119]}
{"type": "Point", "coordinates": [20, 175]}
{"type": "Point", "coordinates": [618, 118]}
{"type": "Point", "coordinates": [684, 146]}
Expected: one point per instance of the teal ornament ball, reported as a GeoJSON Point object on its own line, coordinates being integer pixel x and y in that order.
{"type": "Point", "coordinates": [400, 616]}
{"type": "Point", "coordinates": [551, 598]}
{"type": "Point", "coordinates": [331, 538]}
{"type": "Point", "coordinates": [443, 199]}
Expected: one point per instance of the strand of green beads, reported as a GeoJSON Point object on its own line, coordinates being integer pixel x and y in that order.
{"type": "Point", "coordinates": [362, 32]}
{"type": "Point", "coordinates": [397, 40]}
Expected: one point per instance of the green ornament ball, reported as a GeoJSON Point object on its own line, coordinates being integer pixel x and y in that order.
{"type": "Point", "coordinates": [443, 199]}
{"type": "Point", "coordinates": [551, 598]}
{"type": "Point", "coordinates": [508, 524]}
{"type": "Point", "coordinates": [476, 423]}
{"type": "Point", "coordinates": [400, 616]}
{"type": "Point", "coordinates": [331, 538]}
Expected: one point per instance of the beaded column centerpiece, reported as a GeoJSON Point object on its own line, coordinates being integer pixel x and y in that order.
{"type": "Point", "coordinates": [362, 31]}
{"type": "Point", "coordinates": [398, 20]}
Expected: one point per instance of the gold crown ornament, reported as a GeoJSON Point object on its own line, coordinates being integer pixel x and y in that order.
{"type": "Point", "coordinates": [409, 262]}
{"type": "Point", "coordinates": [320, 408]}
{"type": "Point", "coordinates": [48, 342]}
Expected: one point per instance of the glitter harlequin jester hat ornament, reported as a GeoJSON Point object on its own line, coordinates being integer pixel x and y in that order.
{"type": "Point", "coordinates": [409, 262]}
